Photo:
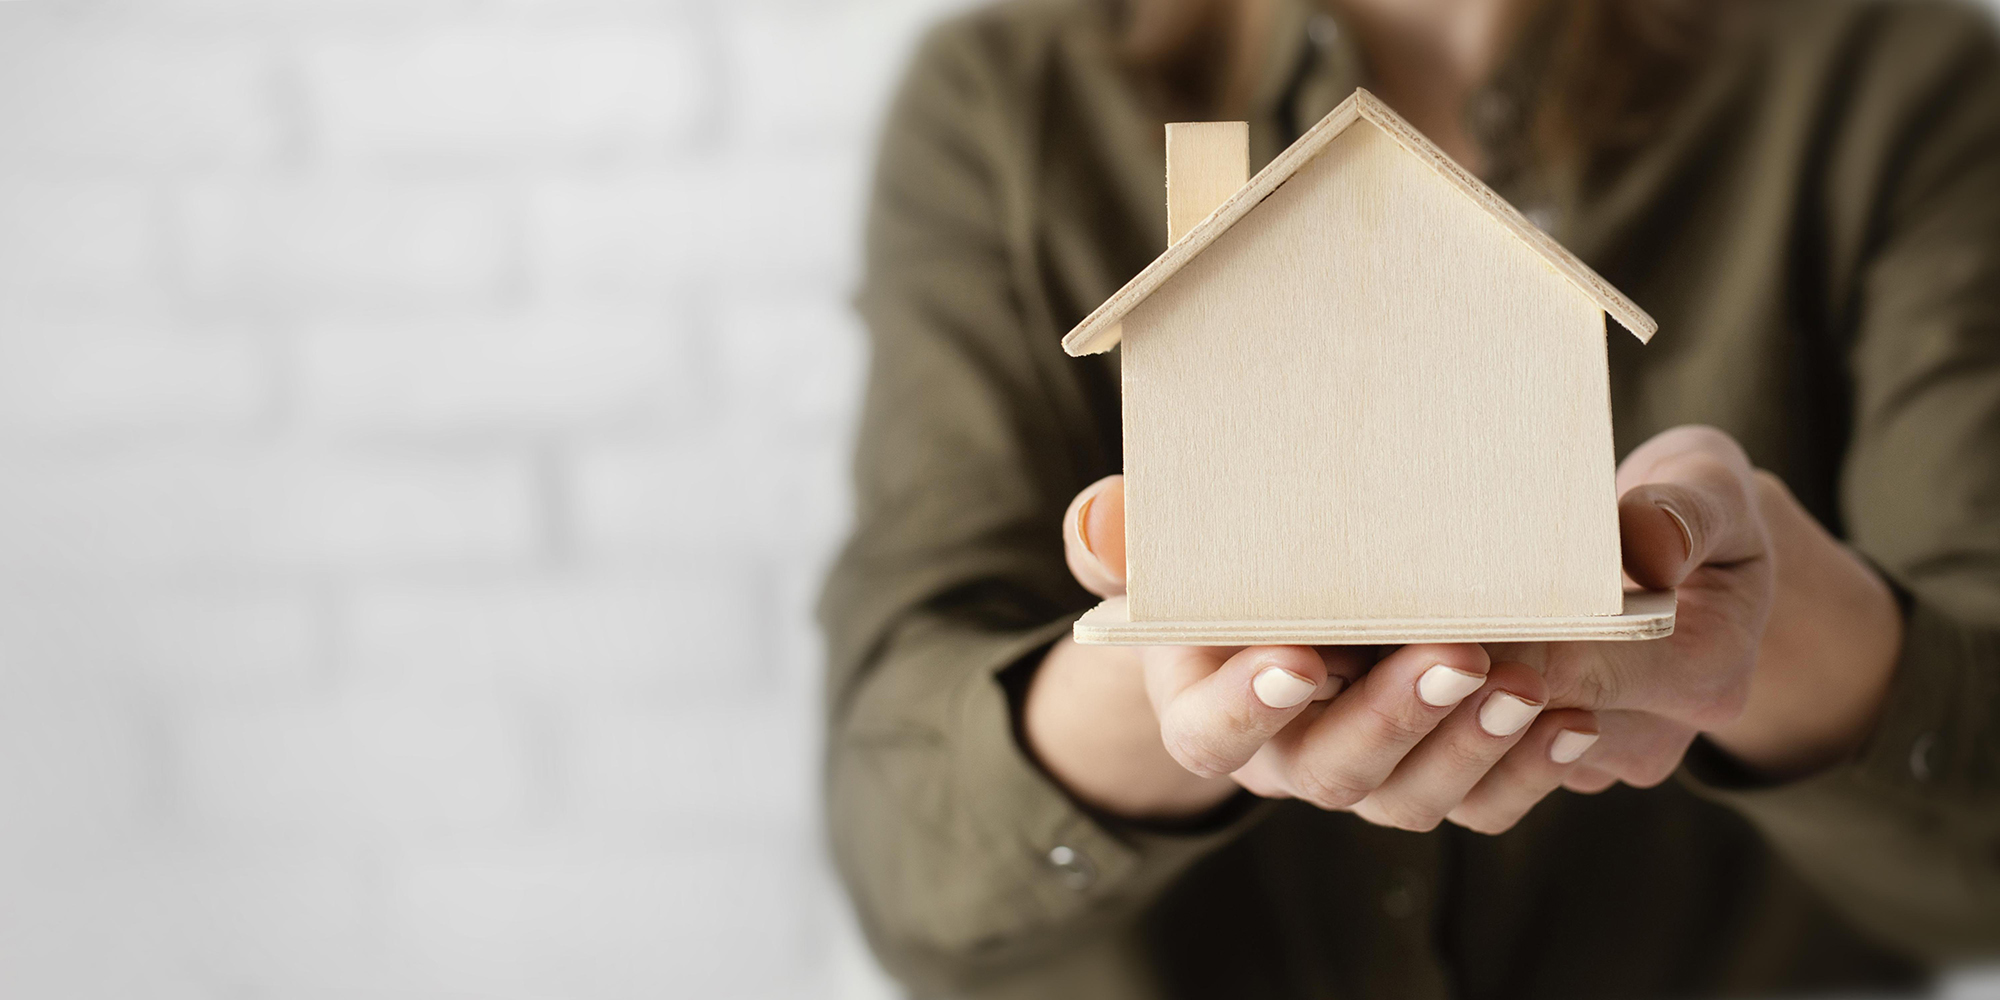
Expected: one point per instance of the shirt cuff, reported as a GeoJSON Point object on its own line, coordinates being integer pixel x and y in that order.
{"type": "Point", "coordinates": [1899, 834]}
{"type": "Point", "coordinates": [1068, 859]}
{"type": "Point", "coordinates": [1925, 747]}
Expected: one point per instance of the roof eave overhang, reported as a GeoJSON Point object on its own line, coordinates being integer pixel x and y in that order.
{"type": "Point", "coordinates": [1103, 328]}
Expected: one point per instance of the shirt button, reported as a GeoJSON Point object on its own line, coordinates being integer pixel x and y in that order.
{"type": "Point", "coordinates": [1072, 867]}
{"type": "Point", "coordinates": [1920, 756]}
{"type": "Point", "coordinates": [1323, 30]}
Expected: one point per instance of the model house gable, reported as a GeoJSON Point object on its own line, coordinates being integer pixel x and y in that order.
{"type": "Point", "coordinates": [1102, 329]}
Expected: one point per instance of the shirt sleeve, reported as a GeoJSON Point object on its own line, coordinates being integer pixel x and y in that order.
{"type": "Point", "coordinates": [1905, 838]}
{"type": "Point", "coordinates": [963, 858]}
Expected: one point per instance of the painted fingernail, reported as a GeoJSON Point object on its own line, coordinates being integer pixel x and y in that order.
{"type": "Point", "coordinates": [1569, 745]}
{"type": "Point", "coordinates": [1441, 685]}
{"type": "Point", "coordinates": [1083, 518]}
{"type": "Point", "coordinates": [1687, 537]}
{"type": "Point", "coordinates": [1330, 688]}
{"type": "Point", "coordinates": [1504, 714]}
{"type": "Point", "coordinates": [1280, 688]}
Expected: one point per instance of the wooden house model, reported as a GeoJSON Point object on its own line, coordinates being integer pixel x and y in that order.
{"type": "Point", "coordinates": [1365, 401]}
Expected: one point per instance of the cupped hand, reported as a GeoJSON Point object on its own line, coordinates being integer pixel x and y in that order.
{"type": "Point", "coordinates": [1688, 522]}
{"type": "Point", "coordinates": [1784, 641]}
{"type": "Point", "coordinates": [1782, 651]}
{"type": "Point", "coordinates": [1403, 737]}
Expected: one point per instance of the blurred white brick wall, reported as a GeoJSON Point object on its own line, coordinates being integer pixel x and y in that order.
{"type": "Point", "coordinates": [423, 427]}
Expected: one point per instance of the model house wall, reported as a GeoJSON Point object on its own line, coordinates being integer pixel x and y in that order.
{"type": "Point", "coordinates": [1367, 398]}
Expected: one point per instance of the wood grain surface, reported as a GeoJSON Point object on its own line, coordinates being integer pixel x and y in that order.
{"type": "Point", "coordinates": [1206, 163]}
{"type": "Point", "coordinates": [1646, 615]}
{"type": "Point", "coordinates": [1364, 401]}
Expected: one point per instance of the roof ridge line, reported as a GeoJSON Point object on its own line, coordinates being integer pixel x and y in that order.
{"type": "Point", "coordinates": [1614, 302]}
{"type": "Point", "coordinates": [1100, 331]}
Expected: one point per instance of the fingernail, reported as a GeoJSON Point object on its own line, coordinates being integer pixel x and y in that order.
{"type": "Point", "coordinates": [1441, 685]}
{"type": "Point", "coordinates": [1083, 518]}
{"type": "Point", "coordinates": [1569, 745]}
{"type": "Point", "coordinates": [1504, 714]}
{"type": "Point", "coordinates": [1687, 537]}
{"type": "Point", "coordinates": [1280, 688]}
{"type": "Point", "coordinates": [1330, 688]}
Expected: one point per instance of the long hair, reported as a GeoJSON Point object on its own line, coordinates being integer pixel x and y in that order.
{"type": "Point", "coordinates": [1613, 69]}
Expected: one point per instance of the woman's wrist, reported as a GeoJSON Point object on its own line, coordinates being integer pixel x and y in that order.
{"type": "Point", "coordinates": [1828, 654]}
{"type": "Point", "coordinates": [1809, 718]}
{"type": "Point", "coordinates": [1087, 721]}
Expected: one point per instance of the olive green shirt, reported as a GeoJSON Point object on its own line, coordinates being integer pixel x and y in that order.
{"type": "Point", "coordinates": [1816, 226]}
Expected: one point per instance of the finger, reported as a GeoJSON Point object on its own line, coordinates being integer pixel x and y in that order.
{"type": "Point", "coordinates": [1094, 537]}
{"type": "Point", "coordinates": [1640, 749]}
{"type": "Point", "coordinates": [1547, 754]}
{"type": "Point", "coordinates": [1689, 501]}
{"type": "Point", "coordinates": [1215, 724]}
{"type": "Point", "coordinates": [1357, 742]}
{"type": "Point", "coordinates": [1263, 775]}
{"type": "Point", "coordinates": [1172, 669]}
{"type": "Point", "coordinates": [1442, 769]}
{"type": "Point", "coordinates": [1588, 780]}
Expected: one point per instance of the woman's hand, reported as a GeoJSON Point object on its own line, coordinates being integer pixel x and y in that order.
{"type": "Point", "coordinates": [1782, 652]}
{"type": "Point", "coordinates": [1403, 740]}
{"type": "Point", "coordinates": [1784, 641]}
{"type": "Point", "coordinates": [1688, 521]}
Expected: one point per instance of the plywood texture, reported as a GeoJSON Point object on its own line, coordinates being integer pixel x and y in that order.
{"type": "Point", "coordinates": [1099, 331]}
{"type": "Point", "coordinates": [1647, 615]}
{"type": "Point", "coordinates": [1206, 163]}
{"type": "Point", "coordinates": [1364, 400]}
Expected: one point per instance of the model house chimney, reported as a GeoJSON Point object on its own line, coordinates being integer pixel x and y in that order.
{"type": "Point", "coordinates": [1206, 163]}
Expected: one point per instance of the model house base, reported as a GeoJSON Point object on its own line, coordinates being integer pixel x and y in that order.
{"type": "Point", "coordinates": [1648, 615]}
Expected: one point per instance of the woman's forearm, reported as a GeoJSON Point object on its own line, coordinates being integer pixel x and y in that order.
{"type": "Point", "coordinates": [1088, 722]}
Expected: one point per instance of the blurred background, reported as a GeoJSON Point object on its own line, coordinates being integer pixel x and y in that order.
{"type": "Point", "coordinates": [422, 431]}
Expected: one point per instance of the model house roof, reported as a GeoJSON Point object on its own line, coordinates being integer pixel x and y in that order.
{"type": "Point", "coordinates": [1100, 331]}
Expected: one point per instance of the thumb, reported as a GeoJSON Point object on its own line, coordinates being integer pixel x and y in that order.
{"type": "Point", "coordinates": [1094, 537]}
{"type": "Point", "coordinates": [1691, 503]}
